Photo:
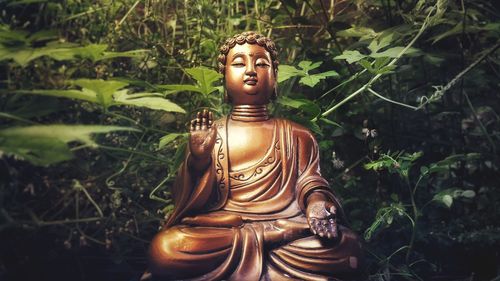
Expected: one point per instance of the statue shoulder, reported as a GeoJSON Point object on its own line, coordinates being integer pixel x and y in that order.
{"type": "Point", "coordinates": [297, 129]}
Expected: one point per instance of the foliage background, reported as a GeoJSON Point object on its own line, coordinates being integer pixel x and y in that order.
{"type": "Point", "coordinates": [95, 98]}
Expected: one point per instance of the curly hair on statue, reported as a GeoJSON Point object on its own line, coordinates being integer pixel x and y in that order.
{"type": "Point", "coordinates": [249, 37]}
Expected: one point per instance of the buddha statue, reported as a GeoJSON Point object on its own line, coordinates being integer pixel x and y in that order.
{"type": "Point", "coordinates": [250, 202]}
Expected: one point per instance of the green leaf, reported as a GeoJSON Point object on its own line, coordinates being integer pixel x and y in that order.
{"type": "Point", "coordinates": [358, 31]}
{"type": "Point", "coordinates": [447, 200]}
{"type": "Point", "coordinates": [22, 55]}
{"type": "Point", "coordinates": [367, 65]}
{"type": "Point", "coordinates": [104, 89]}
{"type": "Point", "coordinates": [181, 88]}
{"type": "Point", "coordinates": [305, 105]}
{"type": "Point", "coordinates": [350, 56]}
{"type": "Point", "coordinates": [330, 122]}
{"type": "Point", "coordinates": [205, 78]}
{"type": "Point", "coordinates": [394, 52]}
{"type": "Point", "coordinates": [154, 101]}
{"type": "Point", "coordinates": [47, 144]}
{"type": "Point", "coordinates": [468, 193]}
{"type": "Point", "coordinates": [380, 42]}
{"type": "Point", "coordinates": [165, 140]}
{"type": "Point", "coordinates": [384, 218]}
{"type": "Point", "coordinates": [287, 71]}
{"type": "Point", "coordinates": [308, 65]}
{"type": "Point", "coordinates": [312, 79]}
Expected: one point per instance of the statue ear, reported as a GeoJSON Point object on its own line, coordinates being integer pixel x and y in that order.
{"type": "Point", "coordinates": [274, 95]}
{"type": "Point", "coordinates": [227, 98]}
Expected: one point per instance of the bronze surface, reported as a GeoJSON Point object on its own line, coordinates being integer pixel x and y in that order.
{"type": "Point", "coordinates": [250, 202]}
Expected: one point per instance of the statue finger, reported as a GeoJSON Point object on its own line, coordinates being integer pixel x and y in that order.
{"type": "Point", "coordinates": [193, 125]}
{"type": "Point", "coordinates": [198, 124]}
{"type": "Point", "coordinates": [210, 119]}
{"type": "Point", "coordinates": [314, 231]}
{"type": "Point", "coordinates": [333, 230]}
{"type": "Point", "coordinates": [204, 123]}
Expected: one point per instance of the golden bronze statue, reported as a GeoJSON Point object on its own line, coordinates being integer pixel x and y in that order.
{"type": "Point", "coordinates": [250, 202]}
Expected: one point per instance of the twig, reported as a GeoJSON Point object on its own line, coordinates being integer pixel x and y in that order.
{"type": "Point", "coordinates": [376, 77]}
{"type": "Point", "coordinates": [441, 90]}
{"type": "Point", "coordinates": [391, 101]}
{"type": "Point", "coordinates": [80, 187]}
{"type": "Point", "coordinates": [152, 195]}
{"type": "Point", "coordinates": [127, 14]}
{"type": "Point", "coordinates": [10, 116]}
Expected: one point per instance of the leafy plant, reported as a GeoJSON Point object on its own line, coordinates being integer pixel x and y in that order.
{"type": "Point", "coordinates": [48, 144]}
{"type": "Point", "coordinates": [109, 93]}
{"type": "Point", "coordinates": [307, 79]}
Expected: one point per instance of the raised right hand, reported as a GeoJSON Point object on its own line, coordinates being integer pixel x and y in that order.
{"type": "Point", "coordinates": [202, 136]}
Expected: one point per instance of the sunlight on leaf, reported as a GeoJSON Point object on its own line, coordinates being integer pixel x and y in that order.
{"type": "Point", "coordinates": [149, 100]}
{"type": "Point", "coordinates": [350, 56]}
{"type": "Point", "coordinates": [165, 140]}
{"type": "Point", "coordinates": [288, 71]}
{"type": "Point", "coordinates": [47, 144]}
{"type": "Point", "coordinates": [205, 78]}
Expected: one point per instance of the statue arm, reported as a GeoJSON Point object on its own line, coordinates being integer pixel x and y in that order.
{"type": "Point", "coordinates": [317, 200]}
{"type": "Point", "coordinates": [193, 185]}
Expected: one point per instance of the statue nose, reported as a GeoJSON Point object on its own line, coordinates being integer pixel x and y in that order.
{"type": "Point", "coordinates": [250, 70]}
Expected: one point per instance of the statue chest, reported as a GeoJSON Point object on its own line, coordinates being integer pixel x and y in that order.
{"type": "Point", "coordinates": [249, 143]}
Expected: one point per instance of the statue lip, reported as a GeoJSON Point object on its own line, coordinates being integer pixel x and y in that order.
{"type": "Point", "coordinates": [250, 81]}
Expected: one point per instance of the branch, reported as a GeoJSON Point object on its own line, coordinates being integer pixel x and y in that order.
{"type": "Point", "coordinates": [376, 77]}
{"type": "Point", "coordinates": [391, 101]}
{"type": "Point", "coordinates": [440, 90]}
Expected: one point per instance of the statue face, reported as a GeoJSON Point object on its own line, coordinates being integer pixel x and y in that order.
{"type": "Point", "coordinates": [249, 75]}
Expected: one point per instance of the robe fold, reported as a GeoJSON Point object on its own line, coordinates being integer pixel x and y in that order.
{"type": "Point", "coordinates": [250, 224]}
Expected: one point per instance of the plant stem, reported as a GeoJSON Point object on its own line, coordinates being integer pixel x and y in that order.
{"type": "Point", "coordinates": [391, 101]}
{"type": "Point", "coordinates": [415, 221]}
{"type": "Point", "coordinates": [376, 77]}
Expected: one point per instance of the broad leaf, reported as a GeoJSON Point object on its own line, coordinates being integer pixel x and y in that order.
{"type": "Point", "coordinates": [309, 65]}
{"type": "Point", "coordinates": [394, 52]}
{"type": "Point", "coordinates": [165, 140]}
{"type": "Point", "coordinates": [447, 196]}
{"type": "Point", "coordinates": [287, 71]}
{"type": "Point", "coordinates": [313, 79]}
{"type": "Point", "coordinates": [47, 144]}
{"type": "Point", "coordinates": [380, 42]}
{"type": "Point", "coordinates": [181, 88]}
{"type": "Point", "coordinates": [358, 31]}
{"type": "Point", "coordinates": [205, 78]}
{"type": "Point", "coordinates": [350, 56]}
{"type": "Point", "coordinates": [149, 100]}
{"type": "Point", "coordinates": [305, 105]}
{"type": "Point", "coordinates": [104, 89]}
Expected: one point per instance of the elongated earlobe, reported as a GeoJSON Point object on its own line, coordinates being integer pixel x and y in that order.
{"type": "Point", "coordinates": [227, 98]}
{"type": "Point", "coordinates": [274, 95]}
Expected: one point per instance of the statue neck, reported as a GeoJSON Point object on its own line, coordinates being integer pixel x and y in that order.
{"type": "Point", "coordinates": [249, 113]}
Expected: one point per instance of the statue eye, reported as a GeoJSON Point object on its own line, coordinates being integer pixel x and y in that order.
{"type": "Point", "coordinates": [238, 64]}
{"type": "Point", "coordinates": [261, 63]}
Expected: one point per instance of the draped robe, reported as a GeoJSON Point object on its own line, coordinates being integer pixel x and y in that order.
{"type": "Point", "coordinates": [250, 224]}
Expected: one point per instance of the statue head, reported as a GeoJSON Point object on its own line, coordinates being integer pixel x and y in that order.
{"type": "Point", "coordinates": [249, 64]}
